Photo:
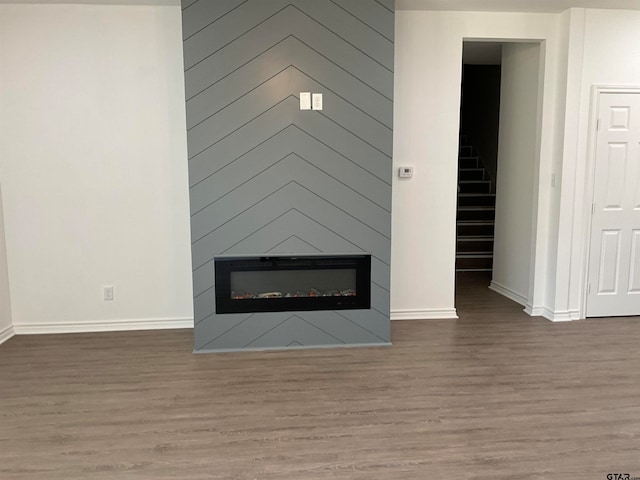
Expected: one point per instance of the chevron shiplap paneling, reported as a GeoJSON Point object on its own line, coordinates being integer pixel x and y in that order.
{"type": "Point", "coordinates": [266, 177]}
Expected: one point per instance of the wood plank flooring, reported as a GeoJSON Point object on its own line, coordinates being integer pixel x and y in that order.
{"type": "Point", "coordinates": [493, 395]}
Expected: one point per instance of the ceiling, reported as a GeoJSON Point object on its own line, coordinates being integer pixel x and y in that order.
{"type": "Point", "coordinates": [548, 6]}
{"type": "Point", "coordinates": [95, 2]}
{"type": "Point", "coordinates": [481, 53]}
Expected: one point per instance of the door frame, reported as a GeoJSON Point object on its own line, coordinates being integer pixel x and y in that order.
{"type": "Point", "coordinates": [589, 188]}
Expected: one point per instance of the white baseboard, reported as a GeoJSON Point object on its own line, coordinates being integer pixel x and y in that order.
{"type": "Point", "coordinates": [425, 314]}
{"type": "Point", "coordinates": [562, 316]}
{"type": "Point", "coordinates": [566, 316]}
{"type": "Point", "coordinates": [536, 311]}
{"type": "Point", "coordinates": [102, 326]}
{"type": "Point", "coordinates": [6, 334]}
{"type": "Point", "coordinates": [559, 316]}
{"type": "Point", "coordinates": [507, 292]}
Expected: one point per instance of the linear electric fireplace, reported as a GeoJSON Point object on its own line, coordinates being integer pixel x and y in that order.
{"type": "Point", "coordinates": [292, 283]}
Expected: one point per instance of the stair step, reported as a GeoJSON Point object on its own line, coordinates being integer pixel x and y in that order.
{"type": "Point", "coordinates": [476, 213]}
{"type": "Point", "coordinates": [465, 174]}
{"type": "Point", "coordinates": [474, 269]}
{"type": "Point", "coordinates": [476, 199]}
{"type": "Point", "coordinates": [475, 228]}
{"type": "Point", "coordinates": [474, 262]}
{"type": "Point", "coordinates": [474, 186]}
{"type": "Point", "coordinates": [465, 150]}
{"type": "Point", "coordinates": [481, 245]}
{"type": "Point", "coordinates": [468, 162]}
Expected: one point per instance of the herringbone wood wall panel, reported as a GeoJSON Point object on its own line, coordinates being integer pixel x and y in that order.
{"type": "Point", "coordinates": [268, 178]}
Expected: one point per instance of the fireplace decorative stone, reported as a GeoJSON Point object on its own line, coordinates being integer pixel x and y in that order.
{"type": "Point", "coordinates": [292, 283]}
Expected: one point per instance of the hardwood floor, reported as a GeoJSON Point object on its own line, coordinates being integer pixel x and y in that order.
{"type": "Point", "coordinates": [493, 395]}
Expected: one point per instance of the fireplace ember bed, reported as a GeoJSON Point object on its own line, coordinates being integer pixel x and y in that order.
{"type": "Point", "coordinates": [292, 283]}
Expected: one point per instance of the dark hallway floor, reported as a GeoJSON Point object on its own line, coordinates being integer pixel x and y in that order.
{"type": "Point", "coordinates": [473, 296]}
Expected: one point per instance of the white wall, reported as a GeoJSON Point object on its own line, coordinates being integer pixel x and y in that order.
{"type": "Point", "coordinates": [94, 171]}
{"type": "Point", "coordinates": [428, 66]}
{"type": "Point", "coordinates": [6, 329]}
{"type": "Point", "coordinates": [517, 151]}
{"type": "Point", "coordinates": [94, 167]}
{"type": "Point", "coordinates": [611, 50]}
{"type": "Point", "coordinates": [606, 46]}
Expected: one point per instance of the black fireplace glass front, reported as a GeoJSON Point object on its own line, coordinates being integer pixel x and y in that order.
{"type": "Point", "coordinates": [289, 283]}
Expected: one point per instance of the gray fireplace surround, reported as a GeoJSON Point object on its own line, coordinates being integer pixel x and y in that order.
{"type": "Point", "coordinates": [268, 179]}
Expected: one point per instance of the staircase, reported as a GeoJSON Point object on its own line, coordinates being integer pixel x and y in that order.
{"type": "Point", "coordinates": [476, 212]}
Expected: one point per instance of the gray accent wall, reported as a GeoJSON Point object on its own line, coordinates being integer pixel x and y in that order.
{"type": "Point", "coordinates": [268, 178]}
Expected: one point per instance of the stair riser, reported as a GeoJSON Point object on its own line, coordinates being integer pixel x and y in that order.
{"type": "Point", "coordinates": [468, 162]}
{"type": "Point", "coordinates": [477, 201]}
{"type": "Point", "coordinates": [465, 151]}
{"type": "Point", "coordinates": [476, 214]}
{"type": "Point", "coordinates": [474, 263]}
{"type": "Point", "coordinates": [479, 230]}
{"type": "Point", "coordinates": [471, 174]}
{"type": "Point", "coordinates": [475, 187]}
{"type": "Point", "coordinates": [467, 246]}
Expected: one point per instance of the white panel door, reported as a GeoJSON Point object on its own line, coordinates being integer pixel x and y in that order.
{"type": "Point", "coordinates": [614, 258]}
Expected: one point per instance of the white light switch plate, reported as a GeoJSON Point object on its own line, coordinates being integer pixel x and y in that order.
{"type": "Point", "coordinates": [305, 100]}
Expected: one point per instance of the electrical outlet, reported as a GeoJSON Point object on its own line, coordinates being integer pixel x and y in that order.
{"type": "Point", "coordinates": [316, 100]}
{"type": "Point", "coordinates": [108, 292]}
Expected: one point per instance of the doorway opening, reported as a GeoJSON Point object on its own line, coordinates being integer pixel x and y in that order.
{"type": "Point", "coordinates": [478, 155]}
{"type": "Point", "coordinates": [498, 161]}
